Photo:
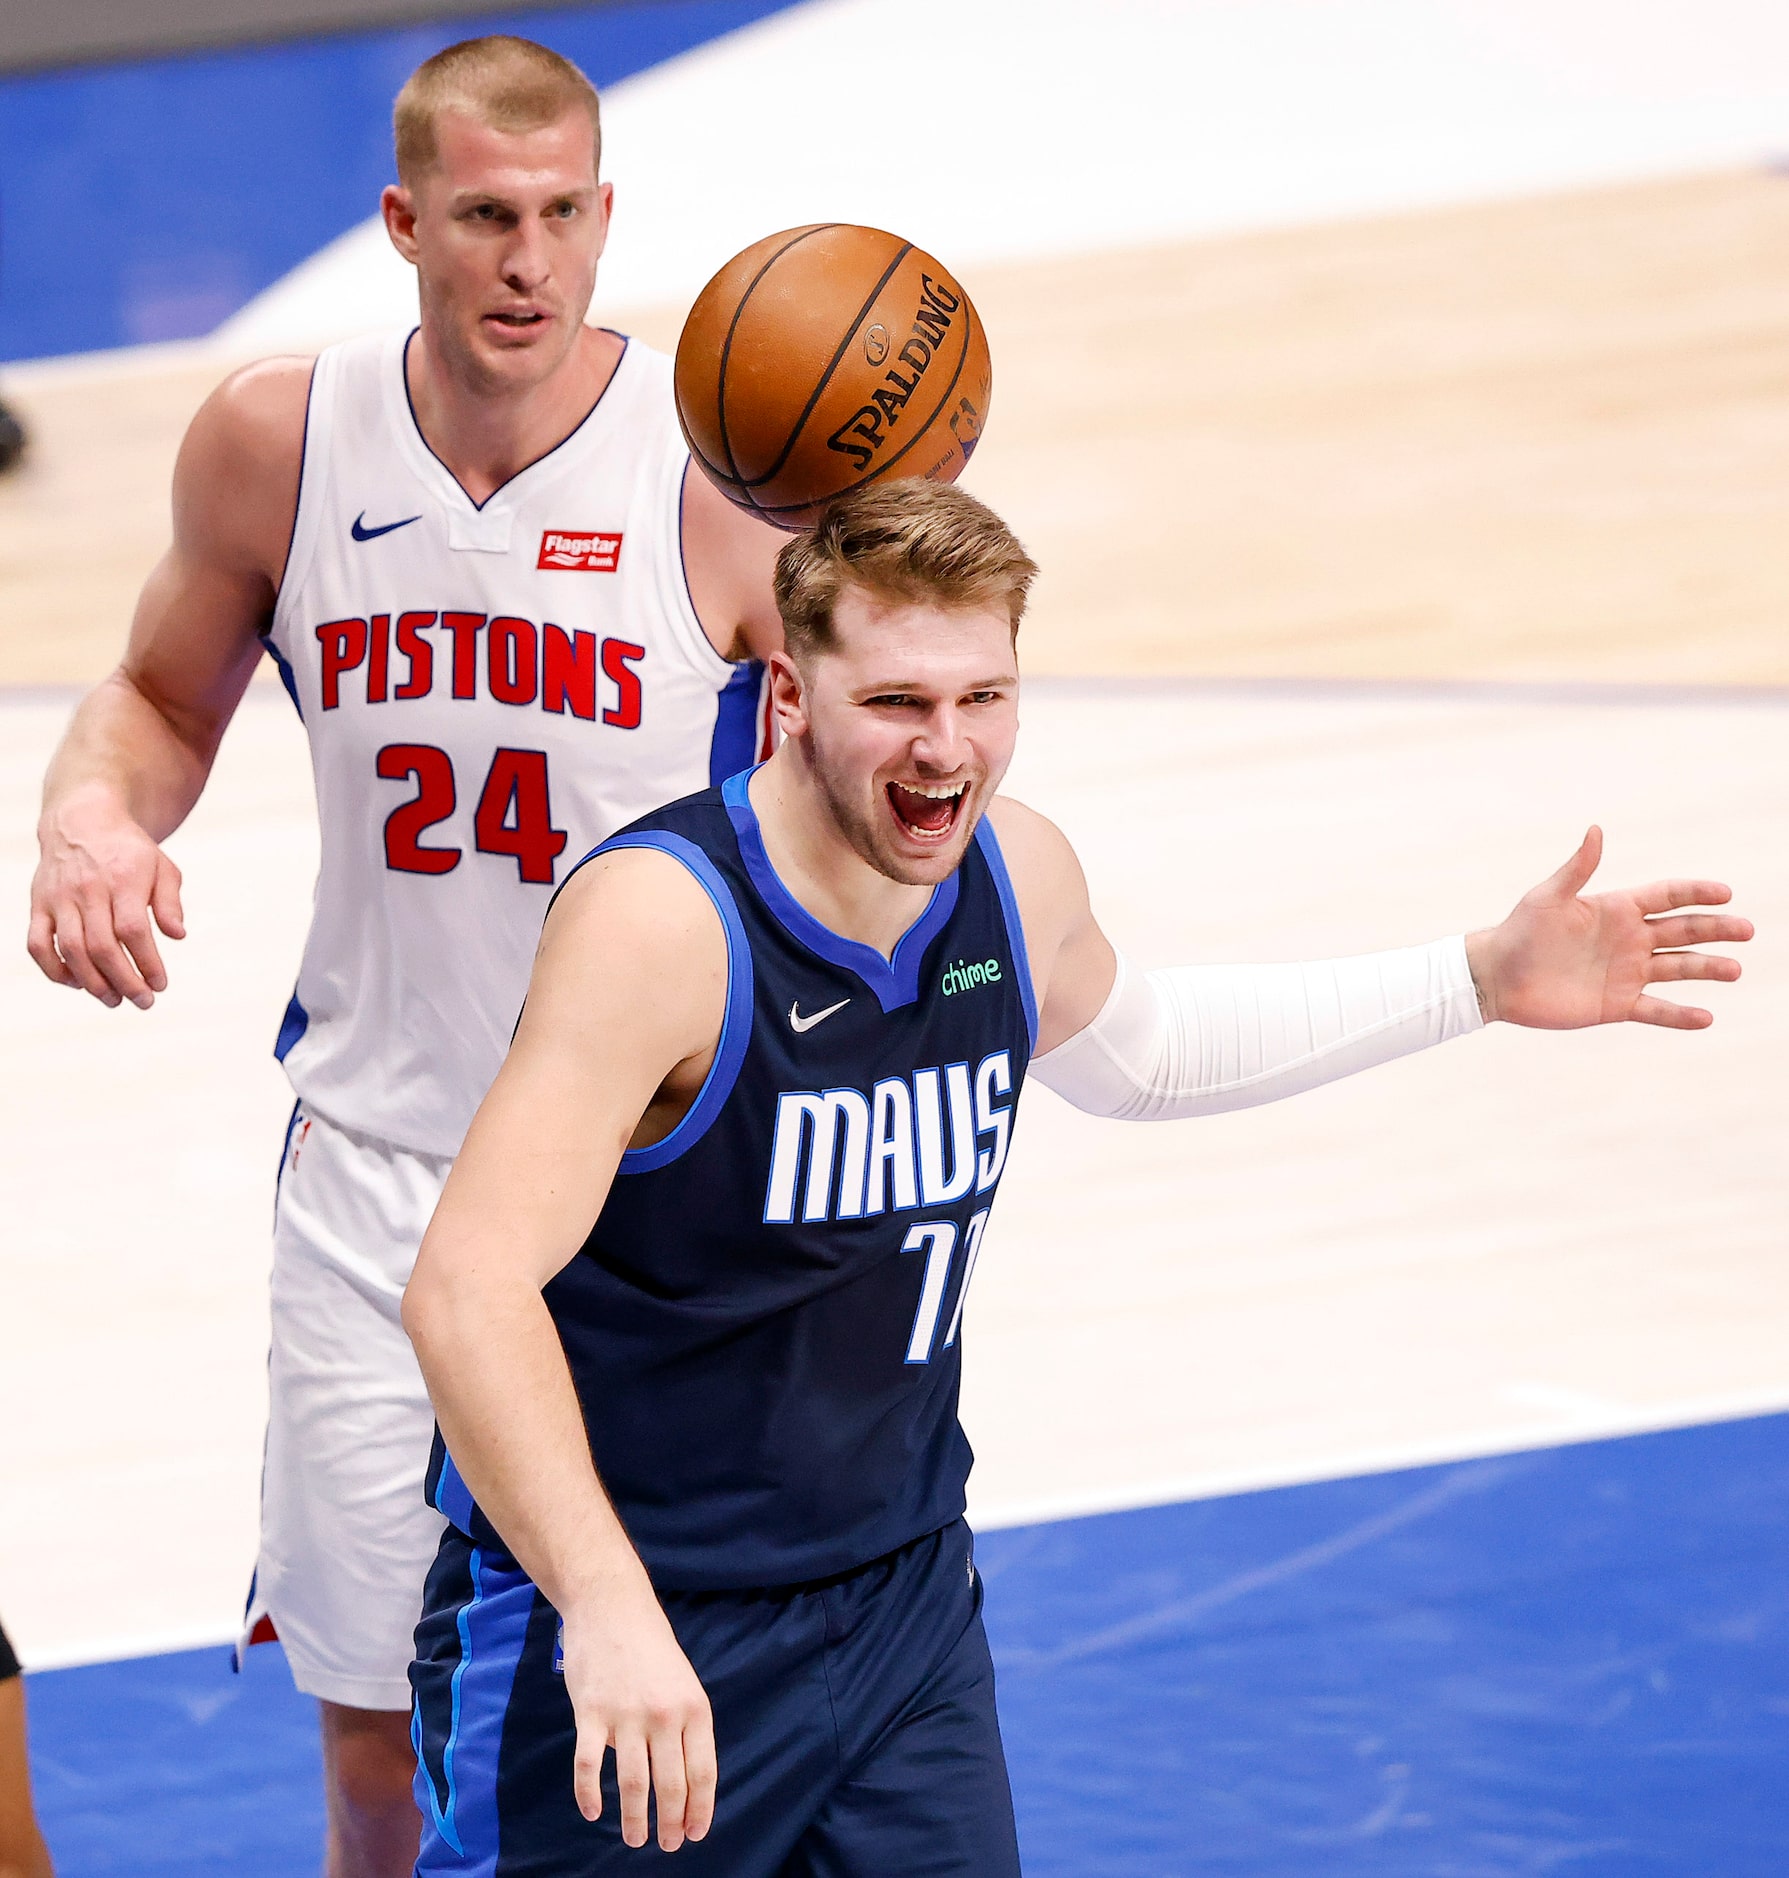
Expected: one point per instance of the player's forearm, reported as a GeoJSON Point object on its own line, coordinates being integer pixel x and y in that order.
{"type": "Point", "coordinates": [497, 1376]}
{"type": "Point", "coordinates": [126, 752]}
{"type": "Point", "coordinates": [1202, 1039]}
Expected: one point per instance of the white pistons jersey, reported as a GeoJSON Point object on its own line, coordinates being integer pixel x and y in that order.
{"type": "Point", "coordinates": [490, 691]}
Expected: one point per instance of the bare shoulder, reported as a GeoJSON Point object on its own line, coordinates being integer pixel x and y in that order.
{"type": "Point", "coordinates": [1043, 864]}
{"type": "Point", "coordinates": [236, 479]}
{"type": "Point", "coordinates": [633, 937]}
{"type": "Point", "coordinates": [635, 894]}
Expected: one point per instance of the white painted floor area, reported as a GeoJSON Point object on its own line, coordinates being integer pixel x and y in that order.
{"type": "Point", "coordinates": [1024, 127]}
{"type": "Point", "coordinates": [1516, 1239]}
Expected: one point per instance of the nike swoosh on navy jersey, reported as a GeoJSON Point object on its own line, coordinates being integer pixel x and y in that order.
{"type": "Point", "coordinates": [798, 1023]}
{"type": "Point", "coordinates": [361, 533]}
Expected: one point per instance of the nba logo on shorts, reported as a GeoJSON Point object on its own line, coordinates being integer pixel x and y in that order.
{"type": "Point", "coordinates": [581, 552]}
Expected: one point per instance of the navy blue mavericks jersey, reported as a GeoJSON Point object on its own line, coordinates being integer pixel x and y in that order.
{"type": "Point", "coordinates": [763, 1325]}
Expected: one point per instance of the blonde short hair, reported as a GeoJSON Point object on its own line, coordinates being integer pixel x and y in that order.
{"type": "Point", "coordinates": [509, 83]}
{"type": "Point", "coordinates": [909, 542]}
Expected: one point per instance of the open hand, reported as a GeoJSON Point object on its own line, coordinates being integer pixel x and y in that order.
{"type": "Point", "coordinates": [632, 1689]}
{"type": "Point", "coordinates": [1563, 960]}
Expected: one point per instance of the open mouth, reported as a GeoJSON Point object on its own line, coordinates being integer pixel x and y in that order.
{"type": "Point", "coordinates": [517, 322]}
{"type": "Point", "coordinates": [927, 811]}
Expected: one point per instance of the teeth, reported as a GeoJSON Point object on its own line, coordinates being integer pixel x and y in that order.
{"type": "Point", "coordinates": [937, 792]}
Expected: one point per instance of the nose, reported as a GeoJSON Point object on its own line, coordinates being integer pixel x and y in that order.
{"type": "Point", "coordinates": [527, 264]}
{"type": "Point", "coordinates": [943, 742]}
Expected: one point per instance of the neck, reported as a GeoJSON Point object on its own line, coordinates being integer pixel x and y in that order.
{"type": "Point", "coordinates": [485, 431]}
{"type": "Point", "coordinates": [813, 859]}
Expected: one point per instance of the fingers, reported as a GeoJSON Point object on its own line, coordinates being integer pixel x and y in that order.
{"type": "Point", "coordinates": [106, 952]}
{"type": "Point", "coordinates": [702, 1771]}
{"type": "Point", "coordinates": [40, 942]}
{"type": "Point", "coordinates": [1668, 1016]}
{"type": "Point", "coordinates": [164, 899]}
{"type": "Point", "coordinates": [1668, 967]}
{"type": "Point", "coordinates": [587, 1767]}
{"type": "Point", "coordinates": [1571, 878]}
{"type": "Point", "coordinates": [1700, 929]}
{"type": "Point", "coordinates": [672, 1759]}
{"type": "Point", "coordinates": [71, 942]}
{"type": "Point", "coordinates": [1662, 895]}
{"type": "Point", "coordinates": [633, 1781]}
{"type": "Point", "coordinates": [130, 921]}
{"type": "Point", "coordinates": [670, 1785]}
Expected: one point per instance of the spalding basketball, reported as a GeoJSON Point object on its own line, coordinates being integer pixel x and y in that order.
{"type": "Point", "coordinates": [828, 357]}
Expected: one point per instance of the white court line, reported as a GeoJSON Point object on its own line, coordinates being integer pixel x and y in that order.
{"type": "Point", "coordinates": [1571, 1430]}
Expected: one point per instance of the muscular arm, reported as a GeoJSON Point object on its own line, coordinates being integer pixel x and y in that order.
{"type": "Point", "coordinates": [623, 1011]}
{"type": "Point", "coordinates": [1196, 1039]}
{"type": "Point", "coordinates": [141, 745]}
{"type": "Point", "coordinates": [729, 557]}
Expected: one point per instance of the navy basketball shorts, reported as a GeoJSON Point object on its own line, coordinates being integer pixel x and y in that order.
{"type": "Point", "coordinates": [854, 1726]}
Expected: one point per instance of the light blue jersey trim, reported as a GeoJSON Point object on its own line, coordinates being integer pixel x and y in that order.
{"type": "Point", "coordinates": [453, 1498]}
{"type": "Point", "coordinates": [989, 843]}
{"type": "Point", "coordinates": [460, 1809]}
{"type": "Point", "coordinates": [736, 1026]}
{"type": "Point", "coordinates": [895, 981]}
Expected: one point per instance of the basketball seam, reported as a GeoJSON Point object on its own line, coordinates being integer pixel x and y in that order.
{"type": "Point", "coordinates": [757, 482]}
{"type": "Point", "coordinates": [720, 383]}
{"type": "Point", "coordinates": [882, 469]}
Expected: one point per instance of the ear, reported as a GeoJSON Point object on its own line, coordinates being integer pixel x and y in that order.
{"type": "Point", "coordinates": [398, 206]}
{"type": "Point", "coordinates": [605, 200]}
{"type": "Point", "coordinates": [788, 695]}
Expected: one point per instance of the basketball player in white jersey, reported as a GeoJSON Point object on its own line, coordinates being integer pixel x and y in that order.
{"type": "Point", "coordinates": [513, 620]}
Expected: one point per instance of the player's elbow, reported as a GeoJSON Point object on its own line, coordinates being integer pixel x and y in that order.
{"type": "Point", "coordinates": [421, 1311]}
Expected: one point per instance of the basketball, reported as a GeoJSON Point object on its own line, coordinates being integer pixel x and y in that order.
{"type": "Point", "coordinates": [826, 357]}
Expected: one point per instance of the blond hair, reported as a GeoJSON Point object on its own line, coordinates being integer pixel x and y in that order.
{"type": "Point", "coordinates": [509, 83]}
{"type": "Point", "coordinates": [908, 542]}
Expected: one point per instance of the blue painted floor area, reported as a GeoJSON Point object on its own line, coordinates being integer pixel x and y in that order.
{"type": "Point", "coordinates": [148, 201]}
{"type": "Point", "coordinates": [1571, 1661]}
{"type": "Point", "coordinates": [172, 1764]}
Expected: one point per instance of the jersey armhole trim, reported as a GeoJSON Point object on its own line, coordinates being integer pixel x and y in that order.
{"type": "Point", "coordinates": [989, 843]}
{"type": "Point", "coordinates": [736, 1024]}
{"type": "Point", "coordinates": [301, 544]}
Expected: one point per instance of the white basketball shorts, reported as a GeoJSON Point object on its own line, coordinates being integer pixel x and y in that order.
{"type": "Point", "coordinates": [346, 1536]}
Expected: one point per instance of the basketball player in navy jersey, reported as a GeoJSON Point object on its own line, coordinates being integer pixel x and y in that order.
{"type": "Point", "coordinates": [512, 622]}
{"type": "Point", "coordinates": [700, 1459]}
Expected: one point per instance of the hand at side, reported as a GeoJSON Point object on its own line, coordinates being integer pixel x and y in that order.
{"type": "Point", "coordinates": [632, 1689]}
{"type": "Point", "coordinates": [1564, 960]}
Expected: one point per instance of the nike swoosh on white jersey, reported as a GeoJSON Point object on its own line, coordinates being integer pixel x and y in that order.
{"type": "Point", "coordinates": [798, 1023]}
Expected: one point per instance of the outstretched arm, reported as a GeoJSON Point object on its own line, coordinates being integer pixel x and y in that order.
{"type": "Point", "coordinates": [141, 745]}
{"type": "Point", "coordinates": [1197, 1039]}
{"type": "Point", "coordinates": [620, 1025]}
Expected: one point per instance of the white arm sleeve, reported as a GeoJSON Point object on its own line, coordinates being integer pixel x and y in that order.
{"type": "Point", "coordinates": [1195, 1039]}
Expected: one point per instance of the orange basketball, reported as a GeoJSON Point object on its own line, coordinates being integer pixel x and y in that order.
{"type": "Point", "coordinates": [828, 357]}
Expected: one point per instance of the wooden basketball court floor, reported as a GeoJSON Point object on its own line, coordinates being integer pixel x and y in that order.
{"type": "Point", "coordinates": [1379, 559]}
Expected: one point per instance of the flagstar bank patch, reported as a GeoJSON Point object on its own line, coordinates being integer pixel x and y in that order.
{"type": "Point", "coordinates": [580, 553]}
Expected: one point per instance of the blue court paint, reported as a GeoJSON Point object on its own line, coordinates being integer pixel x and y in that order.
{"type": "Point", "coordinates": [149, 201]}
{"type": "Point", "coordinates": [1574, 1661]}
{"type": "Point", "coordinates": [1570, 1661]}
{"type": "Point", "coordinates": [169, 1765]}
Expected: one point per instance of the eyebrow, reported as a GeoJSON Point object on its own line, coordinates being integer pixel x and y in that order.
{"type": "Point", "coordinates": [915, 685]}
